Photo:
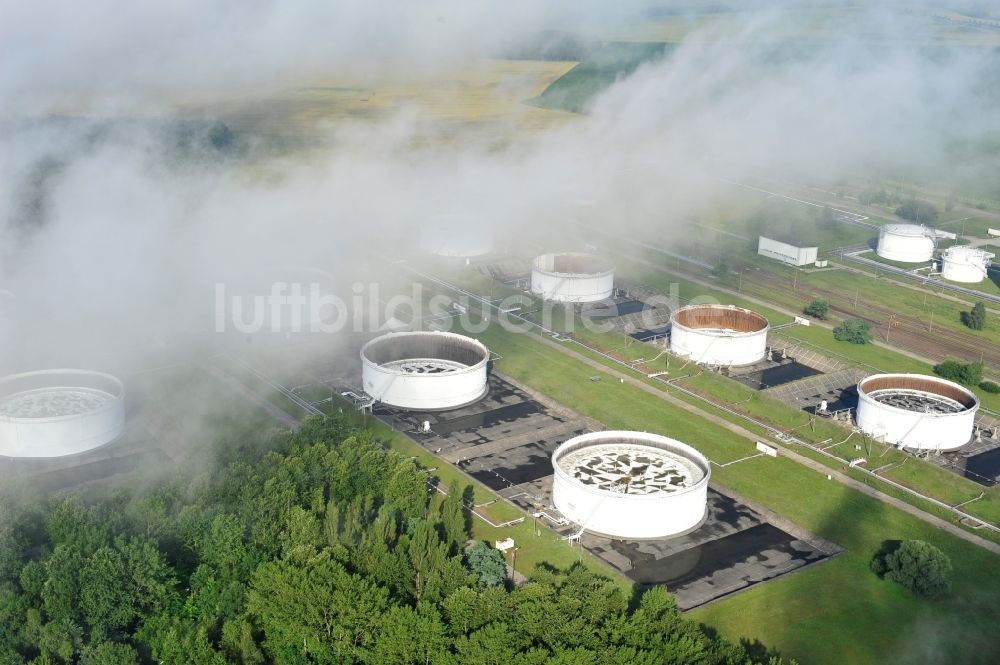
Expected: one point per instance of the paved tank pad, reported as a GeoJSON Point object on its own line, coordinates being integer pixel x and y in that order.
{"type": "Point", "coordinates": [983, 468]}
{"type": "Point", "coordinates": [506, 441]}
{"type": "Point", "coordinates": [651, 334]}
{"type": "Point", "coordinates": [770, 374]}
{"type": "Point", "coordinates": [978, 460]}
{"type": "Point", "coordinates": [838, 389]}
{"type": "Point", "coordinates": [735, 547]}
{"type": "Point", "coordinates": [610, 310]}
{"type": "Point", "coordinates": [506, 413]}
{"type": "Point", "coordinates": [515, 466]}
{"type": "Point", "coordinates": [506, 418]}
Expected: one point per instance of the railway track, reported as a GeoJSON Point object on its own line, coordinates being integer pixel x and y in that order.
{"type": "Point", "coordinates": [927, 281]}
{"type": "Point", "coordinates": [908, 332]}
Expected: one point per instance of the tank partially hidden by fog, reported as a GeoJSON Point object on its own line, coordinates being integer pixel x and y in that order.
{"type": "Point", "coordinates": [425, 371]}
{"type": "Point", "coordinates": [572, 277]}
{"type": "Point", "coordinates": [908, 243]}
{"type": "Point", "coordinates": [54, 413]}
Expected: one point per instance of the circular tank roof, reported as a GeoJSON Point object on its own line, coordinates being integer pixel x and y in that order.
{"type": "Point", "coordinates": [918, 393]}
{"type": "Point", "coordinates": [56, 413]}
{"type": "Point", "coordinates": [723, 318]}
{"type": "Point", "coordinates": [636, 464]}
{"type": "Point", "coordinates": [430, 353]}
{"type": "Point", "coordinates": [572, 264]}
{"type": "Point", "coordinates": [56, 394]}
{"type": "Point", "coordinates": [966, 253]}
{"type": "Point", "coordinates": [911, 230]}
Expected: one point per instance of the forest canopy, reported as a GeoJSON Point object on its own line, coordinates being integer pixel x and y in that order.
{"type": "Point", "coordinates": [320, 547]}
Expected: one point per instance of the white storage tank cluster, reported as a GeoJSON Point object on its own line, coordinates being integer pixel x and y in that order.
{"type": "Point", "coordinates": [960, 263]}
{"type": "Point", "coordinates": [631, 485]}
{"type": "Point", "coordinates": [572, 277]}
{"type": "Point", "coordinates": [457, 236]}
{"type": "Point", "coordinates": [53, 413]}
{"type": "Point", "coordinates": [916, 411]}
{"type": "Point", "coordinates": [723, 335]}
{"type": "Point", "coordinates": [425, 371]}
{"type": "Point", "coordinates": [908, 243]}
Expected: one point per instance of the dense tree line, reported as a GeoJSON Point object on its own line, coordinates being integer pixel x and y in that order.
{"type": "Point", "coordinates": [323, 547]}
{"type": "Point", "coordinates": [969, 374]}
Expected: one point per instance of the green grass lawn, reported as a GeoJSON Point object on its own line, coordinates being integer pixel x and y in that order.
{"type": "Point", "coordinates": [834, 612]}
{"type": "Point", "coordinates": [837, 612]}
{"type": "Point", "coordinates": [876, 358]}
{"type": "Point", "coordinates": [917, 474]}
{"type": "Point", "coordinates": [601, 68]}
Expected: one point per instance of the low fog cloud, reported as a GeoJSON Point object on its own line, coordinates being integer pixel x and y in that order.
{"type": "Point", "coordinates": [110, 231]}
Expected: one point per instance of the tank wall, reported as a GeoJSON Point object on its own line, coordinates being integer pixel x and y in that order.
{"type": "Point", "coordinates": [55, 437]}
{"type": "Point", "coordinates": [908, 249]}
{"type": "Point", "coordinates": [915, 430]}
{"type": "Point", "coordinates": [583, 288]}
{"type": "Point", "coordinates": [421, 392]}
{"type": "Point", "coordinates": [702, 347]}
{"type": "Point", "coordinates": [962, 271]}
{"type": "Point", "coordinates": [622, 516]}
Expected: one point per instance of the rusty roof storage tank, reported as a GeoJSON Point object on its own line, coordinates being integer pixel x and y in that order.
{"type": "Point", "coordinates": [722, 335]}
{"type": "Point", "coordinates": [425, 371]}
{"type": "Point", "coordinates": [53, 413]}
{"type": "Point", "coordinates": [916, 411]}
{"type": "Point", "coordinates": [572, 277]}
{"type": "Point", "coordinates": [631, 485]}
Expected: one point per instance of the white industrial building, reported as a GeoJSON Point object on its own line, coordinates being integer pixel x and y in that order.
{"type": "Point", "coordinates": [909, 243]}
{"type": "Point", "coordinates": [960, 263]}
{"type": "Point", "coordinates": [630, 484]}
{"type": "Point", "coordinates": [723, 335]}
{"type": "Point", "coordinates": [425, 371]}
{"type": "Point", "coordinates": [572, 277]}
{"type": "Point", "coordinates": [53, 413]}
{"type": "Point", "coordinates": [793, 255]}
{"type": "Point", "coordinates": [916, 411]}
{"type": "Point", "coordinates": [457, 236]}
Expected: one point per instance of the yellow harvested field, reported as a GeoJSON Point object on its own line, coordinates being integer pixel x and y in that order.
{"type": "Point", "coordinates": [488, 94]}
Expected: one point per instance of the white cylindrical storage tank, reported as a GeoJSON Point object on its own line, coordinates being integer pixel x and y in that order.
{"type": "Point", "coordinates": [425, 371]}
{"type": "Point", "coordinates": [630, 484]}
{"type": "Point", "coordinates": [916, 411]}
{"type": "Point", "coordinates": [960, 263]}
{"type": "Point", "coordinates": [59, 412]}
{"type": "Point", "coordinates": [908, 243]}
{"type": "Point", "coordinates": [457, 236]}
{"type": "Point", "coordinates": [718, 334]}
{"type": "Point", "coordinates": [572, 277]}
